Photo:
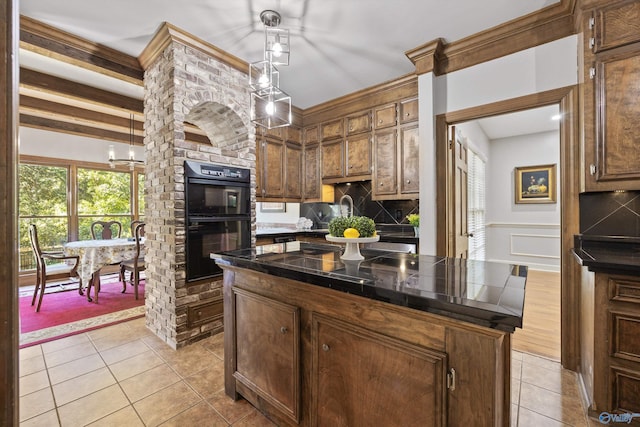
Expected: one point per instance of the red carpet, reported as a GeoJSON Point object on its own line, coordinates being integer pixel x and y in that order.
{"type": "Point", "coordinates": [65, 307]}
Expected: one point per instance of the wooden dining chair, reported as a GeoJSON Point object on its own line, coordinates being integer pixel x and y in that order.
{"type": "Point", "coordinates": [65, 270]}
{"type": "Point", "coordinates": [105, 230]}
{"type": "Point", "coordinates": [133, 226]}
{"type": "Point", "coordinates": [134, 265]}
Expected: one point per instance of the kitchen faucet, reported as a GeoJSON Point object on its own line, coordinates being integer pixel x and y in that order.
{"type": "Point", "coordinates": [350, 200]}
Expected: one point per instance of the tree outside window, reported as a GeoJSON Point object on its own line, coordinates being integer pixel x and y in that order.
{"type": "Point", "coordinates": [103, 196]}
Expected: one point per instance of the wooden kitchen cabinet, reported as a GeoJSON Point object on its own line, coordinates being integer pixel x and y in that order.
{"type": "Point", "coordinates": [293, 168]}
{"type": "Point", "coordinates": [359, 123]}
{"type": "Point", "coordinates": [312, 181]}
{"type": "Point", "coordinates": [385, 116]}
{"type": "Point", "coordinates": [267, 353]}
{"type": "Point", "coordinates": [358, 150]}
{"type": "Point", "coordinates": [360, 362]}
{"type": "Point", "coordinates": [409, 161]}
{"type": "Point", "coordinates": [409, 110]}
{"type": "Point", "coordinates": [616, 361]}
{"type": "Point", "coordinates": [612, 113]}
{"type": "Point", "coordinates": [270, 168]}
{"type": "Point", "coordinates": [332, 129]}
{"type": "Point", "coordinates": [385, 172]}
{"type": "Point", "coordinates": [332, 159]}
{"type": "Point", "coordinates": [364, 378]}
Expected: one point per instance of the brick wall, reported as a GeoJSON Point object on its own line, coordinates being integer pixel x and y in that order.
{"type": "Point", "coordinates": [185, 84]}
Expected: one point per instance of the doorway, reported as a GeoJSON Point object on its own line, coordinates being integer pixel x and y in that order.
{"type": "Point", "coordinates": [497, 224]}
{"type": "Point", "coordinates": [447, 223]}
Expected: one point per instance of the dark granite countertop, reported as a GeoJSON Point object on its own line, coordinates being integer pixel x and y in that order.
{"type": "Point", "coordinates": [400, 236]}
{"type": "Point", "coordinates": [608, 254]}
{"type": "Point", "coordinates": [482, 293]}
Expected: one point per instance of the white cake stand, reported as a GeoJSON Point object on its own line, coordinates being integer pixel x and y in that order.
{"type": "Point", "coordinates": [352, 250]}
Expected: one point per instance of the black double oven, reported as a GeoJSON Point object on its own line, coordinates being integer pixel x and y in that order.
{"type": "Point", "coordinates": [218, 215]}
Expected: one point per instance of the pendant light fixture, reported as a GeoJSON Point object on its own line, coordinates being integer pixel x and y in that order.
{"type": "Point", "coordinates": [131, 161]}
{"type": "Point", "coordinates": [270, 106]}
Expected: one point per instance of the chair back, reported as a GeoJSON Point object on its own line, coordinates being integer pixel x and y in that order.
{"type": "Point", "coordinates": [138, 234]}
{"type": "Point", "coordinates": [133, 227]}
{"type": "Point", "coordinates": [35, 245]}
{"type": "Point", "coordinates": [105, 230]}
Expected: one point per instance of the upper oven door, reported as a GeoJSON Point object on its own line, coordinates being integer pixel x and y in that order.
{"type": "Point", "coordinates": [206, 197]}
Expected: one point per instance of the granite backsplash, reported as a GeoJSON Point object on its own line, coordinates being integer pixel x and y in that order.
{"type": "Point", "coordinates": [610, 214]}
{"type": "Point", "coordinates": [382, 212]}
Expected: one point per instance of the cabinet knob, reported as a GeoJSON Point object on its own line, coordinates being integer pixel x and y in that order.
{"type": "Point", "coordinates": [408, 181]}
{"type": "Point", "coordinates": [283, 330]}
{"type": "Point", "coordinates": [325, 347]}
{"type": "Point", "coordinates": [199, 314]}
{"type": "Point", "coordinates": [380, 121]}
{"type": "Point", "coordinates": [381, 185]}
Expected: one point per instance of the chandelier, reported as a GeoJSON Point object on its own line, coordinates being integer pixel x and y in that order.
{"type": "Point", "coordinates": [270, 106]}
{"type": "Point", "coordinates": [131, 161]}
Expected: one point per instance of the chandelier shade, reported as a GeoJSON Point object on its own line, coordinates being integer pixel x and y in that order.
{"type": "Point", "coordinates": [131, 160]}
{"type": "Point", "coordinates": [270, 108]}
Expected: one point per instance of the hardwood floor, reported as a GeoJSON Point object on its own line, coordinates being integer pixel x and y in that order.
{"type": "Point", "coordinates": [540, 333]}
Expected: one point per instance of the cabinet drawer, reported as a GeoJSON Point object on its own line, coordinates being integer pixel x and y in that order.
{"type": "Point", "coordinates": [332, 129]}
{"type": "Point", "coordinates": [385, 116]}
{"type": "Point", "coordinates": [204, 312]}
{"type": "Point", "coordinates": [625, 332]}
{"type": "Point", "coordinates": [310, 134]}
{"type": "Point", "coordinates": [617, 25]}
{"type": "Point", "coordinates": [409, 111]}
{"type": "Point", "coordinates": [358, 124]}
{"type": "Point", "coordinates": [625, 391]}
{"type": "Point", "coordinates": [624, 290]}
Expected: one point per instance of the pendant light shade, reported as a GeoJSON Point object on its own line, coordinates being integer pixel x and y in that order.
{"type": "Point", "coordinates": [270, 106]}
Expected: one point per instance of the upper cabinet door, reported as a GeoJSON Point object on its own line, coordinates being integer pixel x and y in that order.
{"type": "Point", "coordinates": [409, 110]}
{"type": "Point", "coordinates": [618, 115]}
{"type": "Point", "coordinates": [385, 116]}
{"type": "Point", "coordinates": [617, 25]}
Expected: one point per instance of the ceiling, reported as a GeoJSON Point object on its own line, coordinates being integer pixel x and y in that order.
{"type": "Point", "coordinates": [337, 47]}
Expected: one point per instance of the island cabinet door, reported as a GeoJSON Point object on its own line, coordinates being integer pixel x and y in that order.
{"type": "Point", "coordinates": [361, 378]}
{"type": "Point", "coordinates": [267, 337]}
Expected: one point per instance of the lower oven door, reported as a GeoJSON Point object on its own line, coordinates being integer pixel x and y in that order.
{"type": "Point", "coordinates": [205, 237]}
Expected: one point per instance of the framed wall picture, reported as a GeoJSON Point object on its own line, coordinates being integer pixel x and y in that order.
{"type": "Point", "coordinates": [535, 184]}
{"type": "Point", "coordinates": [273, 207]}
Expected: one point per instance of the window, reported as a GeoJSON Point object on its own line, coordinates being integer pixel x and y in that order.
{"type": "Point", "coordinates": [63, 199]}
{"type": "Point", "coordinates": [103, 196]}
{"type": "Point", "coordinates": [42, 201]}
{"type": "Point", "coordinates": [476, 206]}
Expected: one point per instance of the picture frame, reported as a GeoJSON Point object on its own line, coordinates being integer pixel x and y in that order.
{"type": "Point", "coordinates": [535, 184]}
{"type": "Point", "coordinates": [273, 207]}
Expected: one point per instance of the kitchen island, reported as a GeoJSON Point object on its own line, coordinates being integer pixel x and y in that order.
{"type": "Point", "coordinates": [395, 339]}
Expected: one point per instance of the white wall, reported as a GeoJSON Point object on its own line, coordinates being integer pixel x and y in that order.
{"type": "Point", "coordinates": [528, 234]}
{"type": "Point", "coordinates": [549, 66]}
{"type": "Point", "coordinates": [37, 142]}
{"type": "Point", "coordinates": [291, 216]}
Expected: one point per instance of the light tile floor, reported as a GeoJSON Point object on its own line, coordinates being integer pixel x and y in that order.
{"type": "Point", "coordinates": [123, 375]}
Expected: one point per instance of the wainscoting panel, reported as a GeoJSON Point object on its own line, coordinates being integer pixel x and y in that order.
{"type": "Point", "coordinates": [534, 245]}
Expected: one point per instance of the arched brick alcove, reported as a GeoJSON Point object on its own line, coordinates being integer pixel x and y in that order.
{"type": "Point", "coordinates": [186, 81]}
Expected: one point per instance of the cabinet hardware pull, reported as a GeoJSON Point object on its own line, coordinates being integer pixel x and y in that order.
{"type": "Point", "coordinates": [408, 181]}
{"type": "Point", "coordinates": [592, 42]}
{"type": "Point", "coordinates": [592, 73]}
{"type": "Point", "coordinates": [283, 330]}
{"type": "Point", "coordinates": [199, 314]}
{"type": "Point", "coordinates": [325, 347]}
{"type": "Point", "coordinates": [451, 379]}
{"type": "Point", "coordinates": [592, 22]}
{"type": "Point", "coordinates": [592, 169]}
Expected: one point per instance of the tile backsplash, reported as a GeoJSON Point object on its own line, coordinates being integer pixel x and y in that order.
{"type": "Point", "coordinates": [382, 212]}
{"type": "Point", "coordinates": [610, 213]}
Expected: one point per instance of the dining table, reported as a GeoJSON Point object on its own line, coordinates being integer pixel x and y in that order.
{"type": "Point", "coordinates": [95, 254]}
